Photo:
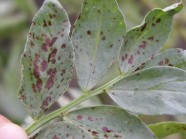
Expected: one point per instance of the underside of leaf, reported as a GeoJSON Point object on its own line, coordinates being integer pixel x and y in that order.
{"type": "Point", "coordinates": [153, 91]}
{"type": "Point", "coordinates": [107, 122]}
{"type": "Point", "coordinates": [47, 59]}
{"type": "Point", "coordinates": [143, 42]}
{"type": "Point", "coordinates": [97, 38]}
{"type": "Point", "coordinates": [63, 130]}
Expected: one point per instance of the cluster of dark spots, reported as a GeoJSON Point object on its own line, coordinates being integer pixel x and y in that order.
{"type": "Point", "coordinates": [123, 58]}
{"type": "Point", "coordinates": [164, 62]}
{"type": "Point", "coordinates": [79, 117]}
{"type": "Point", "coordinates": [105, 129]}
{"type": "Point", "coordinates": [140, 67]}
{"type": "Point", "coordinates": [143, 27]}
{"type": "Point", "coordinates": [130, 61]}
{"type": "Point", "coordinates": [50, 82]}
{"type": "Point", "coordinates": [52, 55]}
{"type": "Point", "coordinates": [63, 72]}
{"type": "Point", "coordinates": [44, 23]}
{"type": "Point", "coordinates": [32, 44]}
{"type": "Point", "coordinates": [158, 20]}
{"type": "Point", "coordinates": [88, 32]}
{"type": "Point", "coordinates": [95, 134]}
{"type": "Point", "coordinates": [46, 102]}
{"type": "Point", "coordinates": [153, 24]}
{"type": "Point", "coordinates": [63, 46]}
{"type": "Point", "coordinates": [150, 38]}
{"type": "Point", "coordinates": [143, 45]}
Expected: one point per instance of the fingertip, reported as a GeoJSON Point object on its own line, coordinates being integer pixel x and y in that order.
{"type": "Point", "coordinates": [12, 131]}
{"type": "Point", "coordinates": [4, 120]}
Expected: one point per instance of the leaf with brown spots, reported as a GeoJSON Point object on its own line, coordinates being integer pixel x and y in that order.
{"type": "Point", "coordinates": [97, 38]}
{"type": "Point", "coordinates": [164, 129]}
{"type": "Point", "coordinates": [63, 130]}
{"type": "Point", "coordinates": [170, 57]}
{"type": "Point", "coordinates": [152, 91]}
{"type": "Point", "coordinates": [47, 64]}
{"type": "Point", "coordinates": [144, 41]}
{"type": "Point", "coordinates": [108, 122]}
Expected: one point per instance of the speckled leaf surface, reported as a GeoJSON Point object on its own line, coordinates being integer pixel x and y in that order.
{"type": "Point", "coordinates": [97, 38]}
{"type": "Point", "coordinates": [157, 90]}
{"type": "Point", "coordinates": [167, 128]}
{"type": "Point", "coordinates": [63, 131]}
{"type": "Point", "coordinates": [47, 58]}
{"type": "Point", "coordinates": [170, 57]}
{"type": "Point", "coordinates": [142, 42]}
{"type": "Point", "coordinates": [108, 122]}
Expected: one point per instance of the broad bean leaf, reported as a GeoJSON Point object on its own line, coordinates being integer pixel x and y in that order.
{"type": "Point", "coordinates": [167, 128]}
{"type": "Point", "coordinates": [97, 38]}
{"type": "Point", "coordinates": [47, 59]}
{"type": "Point", "coordinates": [170, 57]}
{"type": "Point", "coordinates": [157, 90]}
{"type": "Point", "coordinates": [63, 130]}
{"type": "Point", "coordinates": [143, 42]}
{"type": "Point", "coordinates": [108, 122]}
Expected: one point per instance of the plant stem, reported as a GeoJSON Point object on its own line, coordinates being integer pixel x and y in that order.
{"type": "Point", "coordinates": [89, 94]}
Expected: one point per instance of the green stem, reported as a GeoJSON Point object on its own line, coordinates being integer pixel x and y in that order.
{"type": "Point", "coordinates": [89, 94]}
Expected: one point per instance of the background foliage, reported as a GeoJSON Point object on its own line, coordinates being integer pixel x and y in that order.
{"type": "Point", "coordinates": [15, 20]}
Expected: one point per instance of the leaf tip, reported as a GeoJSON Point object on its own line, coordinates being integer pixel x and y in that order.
{"type": "Point", "coordinates": [175, 8]}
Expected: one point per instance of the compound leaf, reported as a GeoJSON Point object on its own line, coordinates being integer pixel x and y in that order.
{"type": "Point", "coordinates": [63, 130]}
{"type": "Point", "coordinates": [157, 90]}
{"type": "Point", "coordinates": [167, 128]}
{"type": "Point", "coordinates": [143, 42]}
{"type": "Point", "coordinates": [47, 59]}
{"type": "Point", "coordinates": [108, 122]}
{"type": "Point", "coordinates": [97, 38]}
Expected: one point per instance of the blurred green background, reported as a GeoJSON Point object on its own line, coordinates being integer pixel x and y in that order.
{"type": "Point", "coordinates": [15, 20]}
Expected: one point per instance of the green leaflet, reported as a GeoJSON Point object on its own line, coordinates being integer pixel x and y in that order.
{"type": "Point", "coordinates": [97, 37]}
{"type": "Point", "coordinates": [167, 128]}
{"type": "Point", "coordinates": [108, 122]}
{"type": "Point", "coordinates": [62, 130]}
{"type": "Point", "coordinates": [142, 42]}
{"type": "Point", "coordinates": [157, 90]}
{"type": "Point", "coordinates": [170, 57]}
{"type": "Point", "coordinates": [47, 59]}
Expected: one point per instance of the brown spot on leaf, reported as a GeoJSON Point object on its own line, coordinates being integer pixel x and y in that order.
{"type": "Point", "coordinates": [43, 65]}
{"type": "Point", "coordinates": [63, 46]}
{"type": "Point", "coordinates": [79, 117]}
{"type": "Point", "coordinates": [52, 55]}
{"type": "Point", "coordinates": [143, 27]}
{"type": "Point", "coordinates": [130, 61]}
{"type": "Point", "coordinates": [151, 38]}
{"type": "Point", "coordinates": [89, 32]}
{"type": "Point", "coordinates": [143, 45]}
{"type": "Point", "coordinates": [158, 20]}
{"type": "Point", "coordinates": [53, 41]}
